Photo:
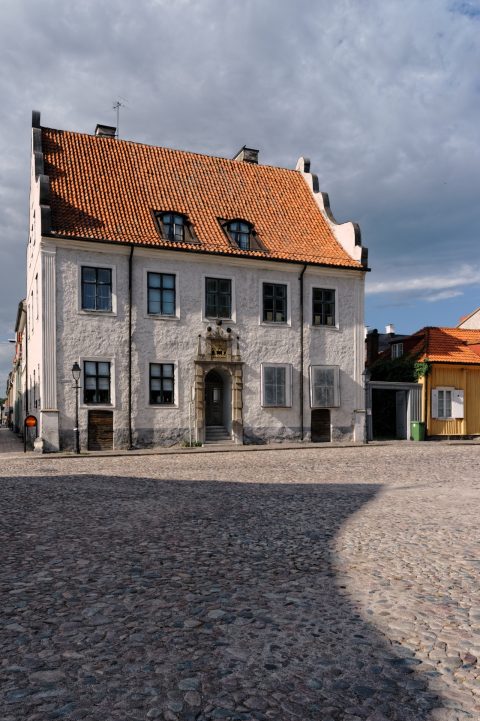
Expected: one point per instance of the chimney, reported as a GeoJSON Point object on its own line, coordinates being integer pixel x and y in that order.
{"type": "Point", "coordinates": [105, 131]}
{"type": "Point", "coordinates": [390, 329]}
{"type": "Point", "coordinates": [372, 347]}
{"type": "Point", "coordinates": [247, 155]}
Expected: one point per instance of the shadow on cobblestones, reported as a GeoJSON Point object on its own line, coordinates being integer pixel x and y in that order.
{"type": "Point", "coordinates": [131, 598]}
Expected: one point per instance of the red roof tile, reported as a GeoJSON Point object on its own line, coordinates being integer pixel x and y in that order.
{"type": "Point", "coordinates": [447, 345]}
{"type": "Point", "coordinates": [108, 189]}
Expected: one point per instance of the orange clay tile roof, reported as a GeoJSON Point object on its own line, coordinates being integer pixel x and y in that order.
{"type": "Point", "coordinates": [447, 345]}
{"type": "Point", "coordinates": [107, 189]}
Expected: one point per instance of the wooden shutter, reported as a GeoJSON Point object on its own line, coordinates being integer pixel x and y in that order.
{"type": "Point", "coordinates": [457, 403]}
{"type": "Point", "coordinates": [434, 403]}
{"type": "Point", "coordinates": [324, 386]}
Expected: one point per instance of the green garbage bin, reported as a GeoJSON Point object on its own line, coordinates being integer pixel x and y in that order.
{"type": "Point", "coordinates": [417, 431]}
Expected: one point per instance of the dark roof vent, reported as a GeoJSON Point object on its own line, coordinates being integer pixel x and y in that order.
{"type": "Point", "coordinates": [105, 131]}
{"type": "Point", "coordinates": [247, 155]}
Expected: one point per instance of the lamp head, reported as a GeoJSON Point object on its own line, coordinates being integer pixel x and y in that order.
{"type": "Point", "coordinates": [76, 371]}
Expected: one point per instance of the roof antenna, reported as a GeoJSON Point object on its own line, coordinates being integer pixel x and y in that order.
{"type": "Point", "coordinates": [116, 106]}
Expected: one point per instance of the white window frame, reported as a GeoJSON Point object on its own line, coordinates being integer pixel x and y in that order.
{"type": "Point", "coordinates": [324, 286]}
{"type": "Point", "coordinates": [456, 404]}
{"type": "Point", "coordinates": [97, 359]}
{"type": "Point", "coordinates": [288, 384]}
{"type": "Point", "coordinates": [233, 309]}
{"type": "Point", "coordinates": [157, 316]}
{"type": "Point", "coordinates": [336, 387]}
{"type": "Point", "coordinates": [271, 323]}
{"type": "Point", "coordinates": [161, 406]}
{"type": "Point", "coordinates": [107, 266]}
{"type": "Point", "coordinates": [397, 350]}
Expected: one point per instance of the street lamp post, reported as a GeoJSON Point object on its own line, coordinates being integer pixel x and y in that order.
{"type": "Point", "coordinates": [366, 378]}
{"type": "Point", "coordinates": [76, 377]}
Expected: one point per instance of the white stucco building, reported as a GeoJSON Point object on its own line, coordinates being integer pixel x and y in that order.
{"type": "Point", "coordinates": [197, 294]}
{"type": "Point", "coordinates": [16, 400]}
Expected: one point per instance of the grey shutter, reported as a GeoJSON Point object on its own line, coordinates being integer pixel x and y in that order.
{"type": "Point", "coordinates": [434, 403]}
{"type": "Point", "coordinates": [457, 403]}
{"type": "Point", "coordinates": [323, 387]}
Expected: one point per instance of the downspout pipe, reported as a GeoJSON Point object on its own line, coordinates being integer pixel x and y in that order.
{"type": "Point", "coordinates": [26, 331]}
{"type": "Point", "coordinates": [302, 353]}
{"type": "Point", "coordinates": [130, 289]}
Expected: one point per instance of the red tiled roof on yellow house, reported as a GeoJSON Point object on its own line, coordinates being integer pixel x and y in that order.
{"type": "Point", "coordinates": [447, 345]}
{"type": "Point", "coordinates": [102, 188]}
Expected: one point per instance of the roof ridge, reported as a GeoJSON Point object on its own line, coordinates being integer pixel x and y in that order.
{"type": "Point", "coordinates": [173, 150]}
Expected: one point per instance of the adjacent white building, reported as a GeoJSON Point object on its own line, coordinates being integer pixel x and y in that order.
{"type": "Point", "coordinates": [470, 321]}
{"type": "Point", "coordinates": [16, 400]}
{"type": "Point", "coordinates": [201, 297]}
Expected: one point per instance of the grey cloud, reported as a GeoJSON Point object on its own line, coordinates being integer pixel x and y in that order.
{"type": "Point", "coordinates": [383, 97]}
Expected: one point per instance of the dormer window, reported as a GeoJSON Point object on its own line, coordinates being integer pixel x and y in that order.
{"type": "Point", "coordinates": [173, 226]}
{"type": "Point", "coordinates": [240, 232]}
{"type": "Point", "coordinates": [397, 350]}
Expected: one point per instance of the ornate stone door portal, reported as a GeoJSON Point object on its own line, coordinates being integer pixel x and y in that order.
{"type": "Point", "coordinates": [218, 357]}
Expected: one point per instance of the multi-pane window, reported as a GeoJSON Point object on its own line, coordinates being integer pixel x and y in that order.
{"type": "Point", "coordinates": [276, 385]}
{"type": "Point", "coordinates": [444, 404]}
{"type": "Point", "coordinates": [239, 231]}
{"type": "Point", "coordinates": [323, 302]}
{"type": "Point", "coordinates": [274, 303]}
{"type": "Point", "coordinates": [173, 226]}
{"type": "Point", "coordinates": [218, 301]}
{"type": "Point", "coordinates": [96, 288]}
{"type": "Point", "coordinates": [161, 293]}
{"type": "Point", "coordinates": [324, 386]}
{"type": "Point", "coordinates": [161, 383]}
{"type": "Point", "coordinates": [96, 376]}
{"type": "Point", "coordinates": [397, 350]}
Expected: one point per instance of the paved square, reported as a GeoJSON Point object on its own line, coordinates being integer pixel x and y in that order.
{"type": "Point", "coordinates": [313, 584]}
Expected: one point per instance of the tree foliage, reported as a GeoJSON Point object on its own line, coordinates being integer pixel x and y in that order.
{"type": "Point", "coordinates": [395, 369]}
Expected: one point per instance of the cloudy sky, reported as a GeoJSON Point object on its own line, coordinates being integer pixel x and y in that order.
{"type": "Point", "coordinates": [382, 95]}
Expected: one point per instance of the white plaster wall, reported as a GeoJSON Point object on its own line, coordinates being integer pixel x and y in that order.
{"type": "Point", "coordinates": [34, 335]}
{"type": "Point", "coordinates": [338, 346]}
{"type": "Point", "coordinates": [472, 323]}
{"type": "Point", "coordinates": [82, 335]}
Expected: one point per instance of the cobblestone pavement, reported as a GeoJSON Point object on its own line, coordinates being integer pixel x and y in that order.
{"type": "Point", "coordinates": [10, 442]}
{"type": "Point", "coordinates": [323, 584]}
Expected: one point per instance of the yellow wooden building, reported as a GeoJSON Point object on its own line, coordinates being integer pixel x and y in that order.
{"type": "Point", "coordinates": [451, 388]}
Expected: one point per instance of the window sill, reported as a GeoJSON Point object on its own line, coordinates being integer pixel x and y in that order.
{"type": "Point", "coordinates": [314, 408]}
{"type": "Point", "coordinates": [206, 319]}
{"type": "Point", "coordinates": [325, 327]}
{"type": "Point", "coordinates": [110, 313]}
{"type": "Point", "coordinates": [158, 316]}
{"type": "Point", "coordinates": [100, 406]}
{"type": "Point", "coordinates": [162, 406]}
{"type": "Point", "coordinates": [275, 323]}
{"type": "Point", "coordinates": [278, 407]}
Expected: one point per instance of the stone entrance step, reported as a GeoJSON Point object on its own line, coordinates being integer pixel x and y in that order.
{"type": "Point", "coordinates": [217, 434]}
